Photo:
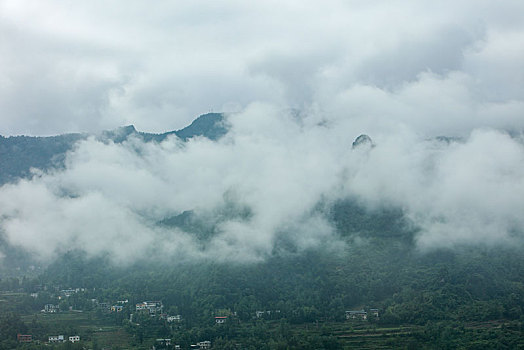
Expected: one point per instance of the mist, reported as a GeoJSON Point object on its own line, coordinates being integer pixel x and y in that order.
{"type": "Point", "coordinates": [297, 86]}
{"type": "Point", "coordinates": [443, 67]}
{"type": "Point", "coordinates": [110, 197]}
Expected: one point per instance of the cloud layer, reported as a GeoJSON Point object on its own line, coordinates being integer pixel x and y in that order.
{"type": "Point", "coordinates": [111, 197]}
{"type": "Point", "coordinates": [401, 71]}
{"type": "Point", "coordinates": [440, 67]}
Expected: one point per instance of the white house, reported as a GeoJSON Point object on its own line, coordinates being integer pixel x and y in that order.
{"type": "Point", "coordinates": [357, 314]}
{"type": "Point", "coordinates": [50, 308]}
{"type": "Point", "coordinates": [374, 312]}
{"type": "Point", "coordinates": [176, 318]}
{"type": "Point", "coordinates": [56, 338]}
{"type": "Point", "coordinates": [220, 319]}
{"type": "Point", "coordinates": [74, 338]}
{"type": "Point", "coordinates": [152, 306]}
{"type": "Point", "coordinates": [202, 345]}
{"type": "Point", "coordinates": [164, 342]}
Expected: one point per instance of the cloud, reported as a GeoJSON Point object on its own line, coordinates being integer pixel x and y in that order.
{"type": "Point", "coordinates": [87, 67]}
{"type": "Point", "coordinates": [260, 186]}
{"type": "Point", "coordinates": [133, 186]}
{"type": "Point", "coordinates": [456, 193]}
{"type": "Point", "coordinates": [402, 72]}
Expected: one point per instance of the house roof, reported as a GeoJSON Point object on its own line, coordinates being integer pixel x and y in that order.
{"type": "Point", "coordinates": [357, 312]}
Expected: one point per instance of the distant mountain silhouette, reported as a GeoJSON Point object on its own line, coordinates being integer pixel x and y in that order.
{"type": "Point", "coordinates": [18, 154]}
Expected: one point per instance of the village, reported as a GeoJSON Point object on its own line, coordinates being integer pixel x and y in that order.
{"type": "Point", "coordinates": [154, 309]}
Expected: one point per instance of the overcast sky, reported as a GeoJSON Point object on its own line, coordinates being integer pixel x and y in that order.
{"type": "Point", "coordinates": [438, 67]}
{"type": "Point", "coordinates": [400, 71]}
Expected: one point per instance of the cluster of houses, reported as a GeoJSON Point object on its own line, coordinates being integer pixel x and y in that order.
{"type": "Point", "coordinates": [153, 307]}
{"type": "Point", "coordinates": [119, 306]}
{"type": "Point", "coordinates": [62, 339]}
{"type": "Point", "coordinates": [260, 314]}
{"type": "Point", "coordinates": [51, 308]}
{"type": "Point", "coordinates": [202, 345]}
{"type": "Point", "coordinates": [68, 292]}
{"type": "Point", "coordinates": [28, 338]}
{"type": "Point", "coordinates": [106, 306]}
{"type": "Point", "coordinates": [361, 314]}
{"type": "Point", "coordinates": [166, 343]}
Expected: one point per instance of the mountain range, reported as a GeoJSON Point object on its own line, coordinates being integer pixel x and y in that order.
{"type": "Point", "coordinates": [19, 154]}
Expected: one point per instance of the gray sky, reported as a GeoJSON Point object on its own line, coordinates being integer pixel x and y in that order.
{"type": "Point", "coordinates": [400, 71]}
{"type": "Point", "coordinates": [439, 67]}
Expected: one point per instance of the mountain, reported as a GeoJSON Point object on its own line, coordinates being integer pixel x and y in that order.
{"type": "Point", "coordinates": [18, 154]}
{"type": "Point", "coordinates": [464, 297]}
{"type": "Point", "coordinates": [363, 141]}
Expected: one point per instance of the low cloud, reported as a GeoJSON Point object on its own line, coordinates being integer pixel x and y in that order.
{"type": "Point", "coordinates": [457, 193]}
{"type": "Point", "coordinates": [98, 66]}
{"type": "Point", "coordinates": [301, 84]}
{"type": "Point", "coordinates": [110, 198]}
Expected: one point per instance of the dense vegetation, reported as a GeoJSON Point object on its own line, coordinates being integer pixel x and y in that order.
{"type": "Point", "coordinates": [467, 297]}
{"type": "Point", "coordinates": [18, 154]}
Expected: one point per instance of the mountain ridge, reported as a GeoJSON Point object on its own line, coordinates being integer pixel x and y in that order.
{"type": "Point", "coordinates": [18, 154]}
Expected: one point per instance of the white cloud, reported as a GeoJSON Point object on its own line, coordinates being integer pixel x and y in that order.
{"type": "Point", "coordinates": [458, 193]}
{"type": "Point", "coordinates": [85, 67]}
{"type": "Point", "coordinates": [132, 186]}
{"type": "Point", "coordinates": [400, 71]}
{"type": "Point", "coordinates": [111, 196]}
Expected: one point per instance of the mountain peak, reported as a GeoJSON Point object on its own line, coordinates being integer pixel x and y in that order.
{"type": "Point", "coordinates": [210, 125]}
{"type": "Point", "coordinates": [18, 154]}
{"type": "Point", "coordinates": [363, 141]}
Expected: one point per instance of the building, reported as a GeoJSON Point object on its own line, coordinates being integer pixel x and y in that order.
{"type": "Point", "coordinates": [176, 318]}
{"type": "Point", "coordinates": [356, 315]}
{"type": "Point", "coordinates": [163, 342]}
{"type": "Point", "coordinates": [202, 345]}
{"type": "Point", "coordinates": [56, 338]}
{"type": "Point", "coordinates": [24, 338]}
{"type": "Point", "coordinates": [220, 319]}
{"type": "Point", "coordinates": [74, 338]}
{"type": "Point", "coordinates": [374, 312]}
{"type": "Point", "coordinates": [68, 292]}
{"type": "Point", "coordinates": [117, 308]}
{"type": "Point", "coordinates": [153, 307]}
{"type": "Point", "coordinates": [266, 313]}
{"type": "Point", "coordinates": [51, 308]}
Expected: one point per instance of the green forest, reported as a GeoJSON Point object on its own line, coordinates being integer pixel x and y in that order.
{"type": "Point", "coordinates": [468, 297]}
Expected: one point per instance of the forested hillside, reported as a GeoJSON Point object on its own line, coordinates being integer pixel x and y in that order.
{"type": "Point", "coordinates": [18, 154]}
{"type": "Point", "coordinates": [468, 296]}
